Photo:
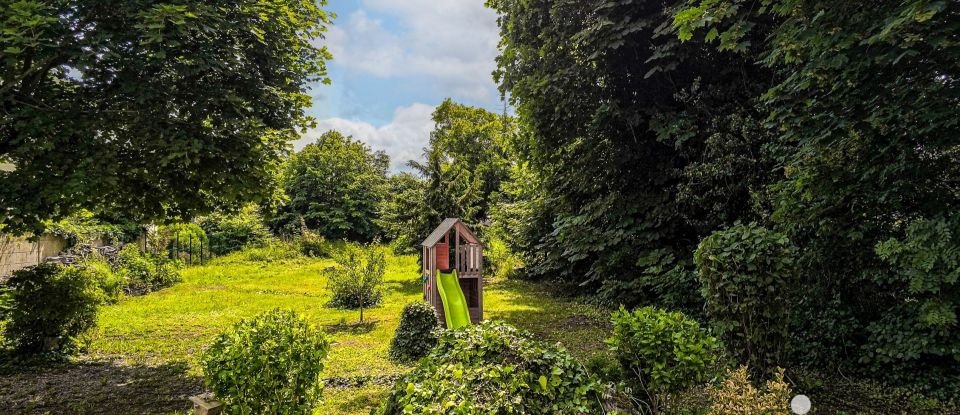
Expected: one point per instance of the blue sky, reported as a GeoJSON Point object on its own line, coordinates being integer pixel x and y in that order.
{"type": "Point", "coordinates": [394, 61]}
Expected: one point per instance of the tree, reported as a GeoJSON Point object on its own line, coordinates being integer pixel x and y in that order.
{"type": "Point", "coordinates": [864, 108]}
{"type": "Point", "coordinates": [400, 214]}
{"type": "Point", "coordinates": [465, 163]}
{"type": "Point", "coordinates": [157, 110]}
{"type": "Point", "coordinates": [628, 127]}
{"type": "Point", "coordinates": [335, 186]}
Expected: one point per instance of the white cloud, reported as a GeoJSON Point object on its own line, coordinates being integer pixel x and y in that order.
{"type": "Point", "coordinates": [402, 139]}
{"type": "Point", "coordinates": [451, 41]}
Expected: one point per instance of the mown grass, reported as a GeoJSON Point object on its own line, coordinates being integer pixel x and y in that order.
{"type": "Point", "coordinates": [141, 341]}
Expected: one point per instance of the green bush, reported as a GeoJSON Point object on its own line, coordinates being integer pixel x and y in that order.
{"type": "Point", "coordinates": [268, 364]}
{"type": "Point", "coordinates": [415, 335]}
{"type": "Point", "coordinates": [746, 273]}
{"type": "Point", "coordinates": [314, 245]}
{"type": "Point", "coordinates": [110, 282]}
{"type": "Point", "coordinates": [356, 279]}
{"type": "Point", "coordinates": [661, 352]}
{"type": "Point", "coordinates": [185, 240]}
{"type": "Point", "coordinates": [48, 306]}
{"type": "Point", "coordinates": [500, 260]}
{"type": "Point", "coordinates": [144, 273]}
{"type": "Point", "coordinates": [230, 233]}
{"type": "Point", "coordinates": [492, 368]}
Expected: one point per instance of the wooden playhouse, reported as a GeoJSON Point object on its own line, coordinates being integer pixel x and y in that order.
{"type": "Point", "coordinates": [453, 246]}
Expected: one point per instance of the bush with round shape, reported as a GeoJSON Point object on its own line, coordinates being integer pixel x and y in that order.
{"type": "Point", "coordinates": [662, 352]}
{"type": "Point", "coordinates": [416, 334]}
{"type": "Point", "coordinates": [492, 368]}
{"type": "Point", "coordinates": [746, 272]}
{"type": "Point", "coordinates": [268, 364]}
{"type": "Point", "coordinates": [229, 233]}
{"type": "Point", "coordinates": [144, 272]}
{"type": "Point", "coordinates": [737, 395]}
{"type": "Point", "coordinates": [48, 306]}
{"type": "Point", "coordinates": [107, 280]}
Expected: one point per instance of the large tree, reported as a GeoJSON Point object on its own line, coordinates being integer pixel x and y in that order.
{"type": "Point", "coordinates": [642, 145]}
{"type": "Point", "coordinates": [151, 109]}
{"type": "Point", "coordinates": [334, 186]}
{"type": "Point", "coordinates": [866, 114]}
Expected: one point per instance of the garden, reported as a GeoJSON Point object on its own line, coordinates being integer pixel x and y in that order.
{"type": "Point", "coordinates": [703, 207]}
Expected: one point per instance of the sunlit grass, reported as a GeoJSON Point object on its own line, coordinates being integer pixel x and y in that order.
{"type": "Point", "coordinates": [174, 325]}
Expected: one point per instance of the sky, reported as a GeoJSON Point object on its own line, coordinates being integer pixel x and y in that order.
{"type": "Point", "coordinates": [394, 61]}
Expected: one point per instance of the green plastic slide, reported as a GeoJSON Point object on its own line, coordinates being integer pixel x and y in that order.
{"type": "Point", "coordinates": [454, 303]}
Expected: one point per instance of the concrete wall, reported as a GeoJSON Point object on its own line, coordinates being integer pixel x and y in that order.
{"type": "Point", "coordinates": [17, 253]}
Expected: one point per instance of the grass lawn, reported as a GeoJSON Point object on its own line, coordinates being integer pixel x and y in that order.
{"type": "Point", "coordinates": [142, 357]}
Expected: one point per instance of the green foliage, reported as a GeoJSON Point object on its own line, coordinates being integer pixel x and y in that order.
{"type": "Point", "coordinates": [48, 306]}
{"type": "Point", "coordinates": [401, 213]}
{"type": "Point", "coordinates": [192, 108]}
{"type": "Point", "coordinates": [494, 368]}
{"type": "Point", "coordinates": [662, 352]}
{"type": "Point", "coordinates": [861, 161]}
{"type": "Point", "coordinates": [357, 278]}
{"type": "Point", "coordinates": [627, 129]}
{"type": "Point", "coordinates": [500, 261]}
{"type": "Point", "coordinates": [747, 276]}
{"type": "Point", "coordinates": [144, 272]}
{"type": "Point", "coordinates": [268, 364]}
{"type": "Point", "coordinates": [185, 240]}
{"type": "Point", "coordinates": [231, 232]}
{"type": "Point", "coordinates": [111, 283]}
{"type": "Point", "coordinates": [919, 336]}
{"type": "Point", "coordinates": [270, 250]}
{"type": "Point", "coordinates": [334, 187]}
{"type": "Point", "coordinates": [313, 245]}
{"type": "Point", "coordinates": [84, 227]}
{"type": "Point", "coordinates": [465, 163]}
{"type": "Point", "coordinates": [416, 334]}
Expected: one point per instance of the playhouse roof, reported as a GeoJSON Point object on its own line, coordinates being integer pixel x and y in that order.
{"type": "Point", "coordinates": [445, 227]}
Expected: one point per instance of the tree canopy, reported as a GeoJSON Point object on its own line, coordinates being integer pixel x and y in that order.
{"type": "Point", "coordinates": [334, 186]}
{"type": "Point", "coordinates": [154, 109]}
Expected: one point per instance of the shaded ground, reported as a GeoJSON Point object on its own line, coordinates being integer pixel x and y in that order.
{"type": "Point", "coordinates": [99, 388]}
{"type": "Point", "coordinates": [142, 357]}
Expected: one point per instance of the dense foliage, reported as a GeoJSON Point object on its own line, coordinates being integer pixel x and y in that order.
{"type": "Point", "coordinates": [737, 395]}
{"type": "Point", "coordinates": [231, 232]}
{"type": "Point", "coordinates": [157, 110]}
{"type": "Point", "coordinates": [662, 352]}
{"type": "Point", "coordinates": [642, 146]}
{"type": "Point", "coordinates": [334, 187]}
{"type": "Point", "coordinates": [182, 241]}
{"type": "Point", "coordinates": [268, 364]}
{"type": "Point", "coordinates": [493, 368]}
{"type": "Point", "coordinates": [48, 305]}
{"type": "Point", "coordinates": [356, 279]}
{"type": "Point", "coordinates": [416, 334]}
{"type": "Point", "coordinates": [747, 277]}
{"type": "Point", "coordinates": [144, 272]}
{"type": "Point", "coordinates": [85, 227]}
{"type": "Point", "coordinates": [865, 108]}
{"type": "Point", "coordinates": [401, 216]}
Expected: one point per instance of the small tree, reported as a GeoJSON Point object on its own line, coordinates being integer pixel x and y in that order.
{"type": "Point", "coordinates": [357, 278]}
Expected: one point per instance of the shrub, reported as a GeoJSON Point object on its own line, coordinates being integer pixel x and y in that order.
{"type": "Point", "coordinates": [230, 233]}
{"type": "Point", "coordinates": [356, 279]}
{"type": "Point", "coordinates": [416, 333]}
{"type": "Point", "coordinates": [493, 368]}
{"type": "Point", "coordinates": [110, 282]}
{"type": "Point", "coordinates": [268, 364]}
{"type": "Point", "coordinates": [661, 352]}
{"type": "Point", "coordinates": [502, 262]}
{"type": "Point", "coordinates": [144, 273]}
{"type": "Point", "coordinates": [185, 240]}
{"type": "Point", "coordinates": [49, 305]}
{"type": "Point", "coordinates": [746, 274]}
{"type": "Point", "coordinates": [314, 245]}
{"type": "Point", "coordinates": [737, 396]}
